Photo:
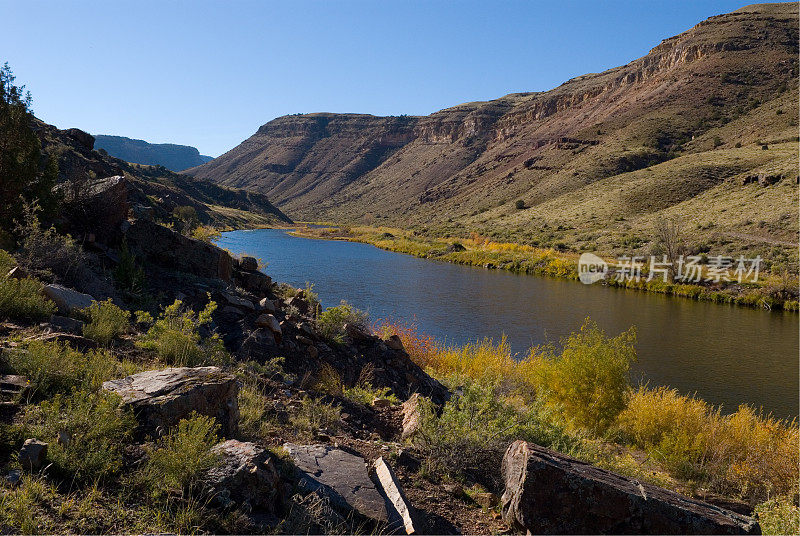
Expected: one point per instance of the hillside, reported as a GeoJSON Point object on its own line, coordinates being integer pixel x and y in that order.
{"type": "Point", "coordinates": [171, 156]}
{"type": "Point", "coordinates": [686, 130]}
{"type": "Point", "coordinates": [155, 186]}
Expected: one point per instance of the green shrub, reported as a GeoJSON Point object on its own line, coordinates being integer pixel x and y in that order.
{"type": "Point", "coordinates": [181, 456]}
{"type": "Point", "coordinates": [22, 300]}
{"type": "Point", "coordinates": [315, 415]}
{"type": "Point", "coordinates": [7, 262]}
{"type": "Point", "coordinates": [519, 204]}
{"type": "Point", "coordinates": [588, 380]}
{"type": "Point", "coordinates": [331, 321]}
{"type": "Point", "coordinates": [779, 516]}
{"type": "Point", "coordinates": [106, 321]}
{"type": "Point", "coordinates": [128, 274]}
{"type": "Point", "coordinates": [468, 439]}
{"type": "Point", "coordinates": [176, 338]}
{"type": "Point", "coordinates": [53, 367]}
{"type": "Point", "coordinates": [93, 430]}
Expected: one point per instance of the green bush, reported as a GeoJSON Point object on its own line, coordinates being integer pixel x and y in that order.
{"type": "Point", "coordinates": [53, 367]}
{"type": "Point", "coordinates": [588, 381]}
{"type": "Point", "coordinates": [22, 300]}
{"type": "Point", "coordinates": [7, 262]}
{"type": "Point", "coordinates": [315, 415]}
{"type": "Point", "coordinates": [176, 338]}
{"type": "Point", "coordinates": [779, 516]}
{"type": "Point", "coordinates": [128, 274]}
{"type": "Point", "coordinates": [468, 439]}
{"type": "Point", "coordinates": [86, 432]}
{"type": "Point", "coordinates": [331, 321]}
{"type": "Point", "coordinates": [106, 321]}
{"type": "Point", "coordinates": [181, 456]}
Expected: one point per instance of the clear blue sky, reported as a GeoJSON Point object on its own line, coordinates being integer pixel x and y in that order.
{"type": "Point", "coordinates": [209, 73]}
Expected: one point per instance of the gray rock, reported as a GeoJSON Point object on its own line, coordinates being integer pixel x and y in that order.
{"type": "Point", "coordinates": [12, 385]}
{"type": "Point", "coordinates": [394, 343]}
{"type": "Point", "coordinates": [161, 398]}
{"type": "Point", "coordinates": [270, 322]}
{"type": "Point", "coordinates": [33, 454]}
{"type": "Point", "coordinates": [66, 299]}
{"type": "Point", "coordinates": [66, 324]}
{"type": "Point", "coordinates": [411, 416]}
{"type": "Point", "coordinates": [341, 477]}
{"type": "Point", "coordinates": [248, 264]}
{"type": "Point", "coordinates": [550, 493]}
{"type": "Point", "coordinates": [401, 513]}
{"type": "Point", "coordinates": [244, 476]}
{"type": "Point", "coordinates": [238, 301]}
{"type": "Point", "coordinates": [84, 138]}
{"type": "Point", "coordinates": [13, 477]}
{"type": "Point", "coordinates": [267, 305]}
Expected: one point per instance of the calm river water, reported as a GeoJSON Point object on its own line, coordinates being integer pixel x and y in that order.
{"type": "Point", "coordinates": [727, 355]}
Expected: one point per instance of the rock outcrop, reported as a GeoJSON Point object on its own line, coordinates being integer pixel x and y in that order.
{"type": "Point", "coordinates": [245, 476]}
{"type": "Point", "coordinates": [550, 493]}
{"type": "Point", "coordinates": [161, 398]}
{"type": "Point", "coordinates": [339, 476]}
{"type": "Point", "coordinates": [168, 249]}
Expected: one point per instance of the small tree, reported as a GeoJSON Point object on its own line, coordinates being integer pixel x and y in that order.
{"type": "Point", "coordinates": [520, 204]}
{"type": "Point", "coordinates": [23, 171]}
{"type": "Point", "coordinates": [670, 237]}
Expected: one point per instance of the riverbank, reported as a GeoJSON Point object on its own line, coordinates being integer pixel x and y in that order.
{"type": "Point", "coordinates": [771, 292]}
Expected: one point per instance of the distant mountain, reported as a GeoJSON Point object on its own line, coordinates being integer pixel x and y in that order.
{"type": "Point", "coordinates": [171, 156]}
{"type": "Point", "coordinates": [703, 127]}
{"type": "Point", "coordinates": [154, 187]}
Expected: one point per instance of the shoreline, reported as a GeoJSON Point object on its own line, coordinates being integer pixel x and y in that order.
{"type": "Point", "coordinates": [527, 260]}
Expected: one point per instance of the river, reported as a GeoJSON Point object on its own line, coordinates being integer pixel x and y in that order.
{"type": "Point", "coordinates": [726, 354]}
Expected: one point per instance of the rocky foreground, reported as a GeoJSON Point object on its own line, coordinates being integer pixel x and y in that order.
{"type": "Point", "coordinates": [353, 471]}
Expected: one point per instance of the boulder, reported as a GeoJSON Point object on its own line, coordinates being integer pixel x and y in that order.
{"type": "Point", "coordinates": [270, 322]}
{"type": "Point", "coordinates": [168, 249]}
{"type": "Point", "coordinates": [248, 264]}
{"type": "Point", "coordinates": [66, 299]}
{"type": "Point", "coordinates": [33, 454]}
{"type": "Point", "coordinates": [394, 343]}
{"type": "Point", "coordinates": [238, 301]}
{"type": "Point", "coordinates": [267, 305]}
{"type": "Point", "coordinates": [99, 206]}
{"type": "Point", "coordinates": [549, 493]}
{"type": "Point", "coordinates": [339, 476]}
{"type": "Point", "coordinates": [161, 398]}
{"type": "Point", "coordinates": [245, 476]}
{"type": "Point", "coordinates": [411, 416]}
{"type": "Point", "coordinates": [84, 138]}
{"type": "Point", "coordinates": [298, 303]}
{"type": "Point", "coordinates": [66, 324]}
{"type": "Point", "coordinates": [356, 332]}
{"type": "Point", "coordinates": [255, 282]}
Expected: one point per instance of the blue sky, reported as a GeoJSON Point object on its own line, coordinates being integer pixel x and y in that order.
{"type": "Point", "coordinates": [209, 73]}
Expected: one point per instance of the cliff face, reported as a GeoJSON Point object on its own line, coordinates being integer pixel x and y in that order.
{"type": "Point", "coordinates": [719, 84]}
{"type": "Point", "coordinates": [171, 156]}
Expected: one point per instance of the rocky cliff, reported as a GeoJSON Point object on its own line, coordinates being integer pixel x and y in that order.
{"type": "Point", "coordinates": [676, 131]}
{"type": "Point", "coordinates": [171, 156]}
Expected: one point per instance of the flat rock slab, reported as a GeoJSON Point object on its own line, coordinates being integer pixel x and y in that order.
{"type": "Point", "coordinates": [340, 476]}
{"type": "Point", "coordinates": [550, 493]}
{"type": "Point", "coordinates": [161, 398]}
